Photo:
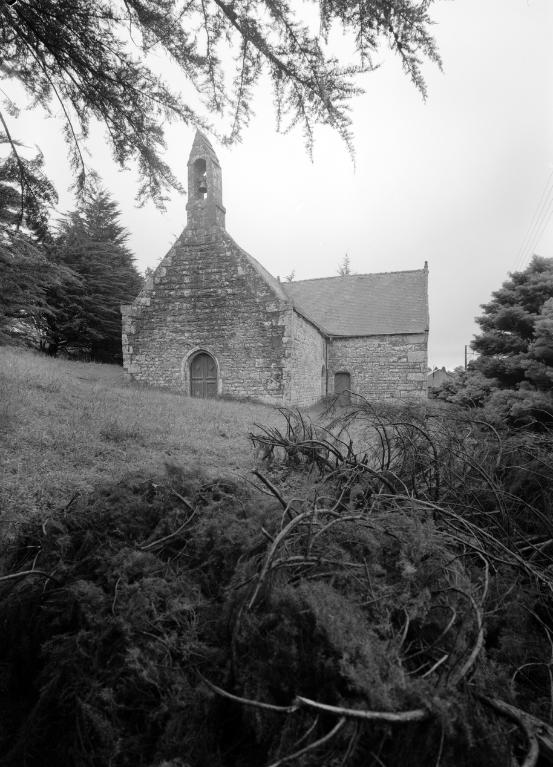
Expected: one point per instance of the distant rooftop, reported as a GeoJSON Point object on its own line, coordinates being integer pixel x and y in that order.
{"type": "Point", "coordinates": [364, 304]}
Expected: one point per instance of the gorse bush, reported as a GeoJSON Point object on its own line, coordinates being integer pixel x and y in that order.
{"type": "Point", "coordinates": [395, 608]}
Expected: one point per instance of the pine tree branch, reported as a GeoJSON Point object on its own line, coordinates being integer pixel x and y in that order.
{"type": "Point", "coordinates": [22, 172]}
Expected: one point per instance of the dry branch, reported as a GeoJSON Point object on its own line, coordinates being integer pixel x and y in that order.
{"type": "Point", "coordinates": [392, 717]}
{"type": "Point", "coordinates": [471, 660]}
{"type": "Point", "coordinates": [272, 488]}
{"type": "Point", "coordinates": [25, 573]}
{"type": "Point", "coordinates": [402, 717]}
{"type": "Point", "coordinates": [312, 746]}
{"type": "Point", "coordinates": [276, 543]}
{"type": "Point", "coordinates": [539, 734]}
{"type": "Point", "coordinates": [246, 701]}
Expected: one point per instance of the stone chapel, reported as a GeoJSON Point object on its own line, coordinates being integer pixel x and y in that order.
{"type": "Point", "coordinates": [212, 321]}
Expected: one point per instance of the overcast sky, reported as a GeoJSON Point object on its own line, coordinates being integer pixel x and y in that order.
{"type": "Point", "coordinates": [463, 180]}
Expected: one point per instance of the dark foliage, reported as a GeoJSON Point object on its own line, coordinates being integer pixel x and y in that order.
{"type": "Point", "coordinates": [99, 660]}
{"type": "Point", "coordinates": [27, 278]}
{"type": "Point", "coordinates": [515, 343]}
{"type": "Point", "coordinates": [26, 194]}
{"type": "Point", "coordinates": [27, 272]}
{"type": "Point", "coordinates": [513, 375]}
{"type": "Point", "coordinates": [189, 621]}
{"type": "Point", "coordinates": [87, 317]}
{"type": "Point", "coordinates": [468, 388]}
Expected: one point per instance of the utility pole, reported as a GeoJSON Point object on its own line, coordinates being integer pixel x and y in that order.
{"type": "Point", "coordinates": [466, 355]}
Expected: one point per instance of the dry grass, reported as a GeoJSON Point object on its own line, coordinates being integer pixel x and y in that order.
{"type": "Point", "coordinates": [64, 426]}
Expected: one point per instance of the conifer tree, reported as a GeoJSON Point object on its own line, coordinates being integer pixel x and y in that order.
{"type": "Point", "coordinates": [344, 268]}
{"type": "Point", "coordinates": [27, 273]}
{"type": "Point", "coordinates": [92, 242]}
{"type": "Point", "coordinates": [515, 346]}
{"type": "Point", "coordinates": [26, 194]}
{"type": "Point", "coordinates": [27, 279]}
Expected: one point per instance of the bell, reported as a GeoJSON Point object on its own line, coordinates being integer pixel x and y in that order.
{"type": "Point", "coordinates": [202, 188]}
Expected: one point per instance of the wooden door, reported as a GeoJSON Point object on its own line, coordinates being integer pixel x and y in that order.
{"type": "Point", "coordinates": [203, 376]}
{"type": "Point", "coordinates": [342, 386]}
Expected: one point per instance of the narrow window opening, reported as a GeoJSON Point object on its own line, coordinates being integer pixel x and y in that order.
{"type": "Point", "coordinates": [200, 179]}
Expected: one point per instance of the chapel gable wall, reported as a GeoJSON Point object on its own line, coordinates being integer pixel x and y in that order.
{"type": "Point", "coordinates": [206, 295]}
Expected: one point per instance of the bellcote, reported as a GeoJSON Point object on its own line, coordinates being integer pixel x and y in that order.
{"type": "Point", "coordinates": [205, 186]}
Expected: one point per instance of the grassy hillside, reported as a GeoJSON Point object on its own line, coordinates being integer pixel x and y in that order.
{"type": "Point", "coordinates": [64, 426]}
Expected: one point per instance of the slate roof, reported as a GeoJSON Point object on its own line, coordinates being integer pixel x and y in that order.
{"type": "Point", "coordinates": [364, 304]}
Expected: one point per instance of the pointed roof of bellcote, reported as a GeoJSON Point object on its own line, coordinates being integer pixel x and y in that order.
{"type": "Point", "coordinates": [205, 210]}
{"type": "Point", "coordinates": [201, 146]}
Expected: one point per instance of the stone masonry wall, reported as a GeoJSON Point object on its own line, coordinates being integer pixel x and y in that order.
{"type": "Point", "coordinates": [305, 364]}
{"type": "Point", "coordinates": [206, 295]}
{"type": "Point", "coordinates": [381, 366]}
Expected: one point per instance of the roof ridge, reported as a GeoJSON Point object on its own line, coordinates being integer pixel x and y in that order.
{"type": "Point", "coordinates": [341, 276]}
{"type": "Point", "coordinates": [384, 303]}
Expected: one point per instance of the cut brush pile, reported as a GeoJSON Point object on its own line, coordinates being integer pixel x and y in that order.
{"type": "Point", "coordinates": [395, 609]}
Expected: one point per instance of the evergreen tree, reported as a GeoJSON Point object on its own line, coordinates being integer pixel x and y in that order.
{"type": "Point", "coordinates": [542, 348]}
{"type": "Point", "coordinates": [92, 242]}
{"type": "Point", "coordinates": [516, 343]}
{"type": "Point", "coordinates": [27, 279]}
{"type": "Point", "coordinates": [27, 273]}
{"type": "Point", "coordinates": [26, 194]}
{"type": "Point", "coordinates": [344, 269]}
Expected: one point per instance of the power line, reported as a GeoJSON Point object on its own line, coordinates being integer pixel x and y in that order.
{"type": "Point", "coordinates": [539, 233]}
{"type": "Point", "coordinates": [533, 221]}
{"type": "Point", "coordinates": [539, 221]}
{"type": "Point", "coordinates": [540, 229]}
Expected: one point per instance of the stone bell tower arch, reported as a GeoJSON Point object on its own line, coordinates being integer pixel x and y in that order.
{"type": "Point", "coordinates": [205, 208]}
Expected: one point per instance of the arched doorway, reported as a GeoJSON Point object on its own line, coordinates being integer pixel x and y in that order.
{"type": "Point", "coordinates": [342, 388]}
{"type": "Point", "coordinates": [203, 376]}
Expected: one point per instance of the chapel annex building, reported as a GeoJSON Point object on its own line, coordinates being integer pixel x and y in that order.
{"type": "Point", "coordinates": [212, 321]}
